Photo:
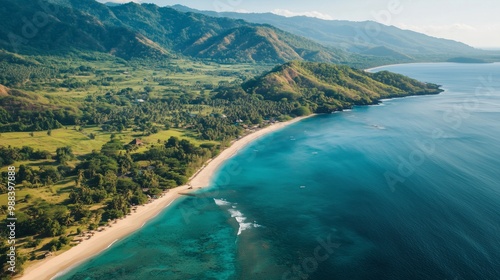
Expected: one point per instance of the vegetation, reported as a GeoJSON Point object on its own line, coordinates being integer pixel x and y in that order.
{"type": "Point", "coordinates": [324, 88]}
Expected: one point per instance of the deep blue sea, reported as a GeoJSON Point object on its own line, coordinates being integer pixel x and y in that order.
{"type": "Point", "coordinates": [408, 189]}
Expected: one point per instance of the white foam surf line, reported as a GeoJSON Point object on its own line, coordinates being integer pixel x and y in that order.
{"type": "Point", "coordinates": [240, 218]}
{"type": "Point", "coordinates": [167, 205]}
{"type": "Point", "coordinates": [111, 244]}
{"type": "Point", "coordinates": [237, 215]}
{"type": "Point", "coordinates": [221, 202]}
{"type": "Point", "coordinates": [61, 273]}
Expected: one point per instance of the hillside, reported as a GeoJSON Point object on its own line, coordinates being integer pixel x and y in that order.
{"type": "Point", "coordinates": [132, 30]}
{"type": "Point", "coordinates": [21, 111]}
{"type": "Point", "coordinates": [326, 88]}
{"type": "Point", "coordinates": [387, 52]}
{"type": "Point", "coordinates": [352, 36]}
{"type": "Point", "coordinates": [64, 29]}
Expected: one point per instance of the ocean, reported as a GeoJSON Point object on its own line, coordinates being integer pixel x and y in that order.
{"type": "Point", "coordinates": [407, 189]}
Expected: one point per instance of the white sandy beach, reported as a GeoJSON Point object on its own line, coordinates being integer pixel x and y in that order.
{"type": "Point", "coordinates": [51, 266]}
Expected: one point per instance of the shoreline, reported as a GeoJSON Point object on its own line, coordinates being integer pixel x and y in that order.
{"type": "Point", "coordinates": [57, 265]}
{"type": "Point", "coordinates": [429, 62]}
{"type": "Point", "coordinates": [388, 65]}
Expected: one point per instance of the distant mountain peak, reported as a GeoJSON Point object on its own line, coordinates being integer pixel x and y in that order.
{"type": "Point", "coordinates": [112, 4]}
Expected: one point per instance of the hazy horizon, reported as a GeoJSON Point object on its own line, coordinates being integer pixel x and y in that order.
{"type": "Point", "coordinates": [460, 22]}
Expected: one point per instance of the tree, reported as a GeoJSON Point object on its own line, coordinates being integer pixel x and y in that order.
{"type": "Point", "coordinates": [25, 173]}
{"type": "Point", "coordinates": [52, 228]}
{"type": "Point", "coordinates": [119, 204]}
{"type": "Point", "coordinates": [64, 154]}
{"type": "Point", "coordinates": [302, 111]}
{"type": "Point", "coordinates": [49, 175]}
{"type": "Point", "coordinates": [112, 147]}
{"type": "Point", "coordinates": [110, 180]}
{"type": "Point", "coordinates": [172, 142]}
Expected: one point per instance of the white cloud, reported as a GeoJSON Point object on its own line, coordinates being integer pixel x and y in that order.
{"type": "Point", "coordinates": [288, 13]}
{"type": "Point", "coordinates": [477, 35]}
{"type": "Point", "coordinates": [243, 11]}
{"type": "Point", "coordinates": [450, 28]}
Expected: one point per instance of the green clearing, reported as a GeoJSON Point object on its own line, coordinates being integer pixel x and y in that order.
{"type": "Point", "coordinates": [175, 76]}
{"type": "Point", "coordinates": [80, 141]}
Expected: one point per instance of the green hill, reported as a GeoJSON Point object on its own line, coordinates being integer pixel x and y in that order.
{"type": "Point", "coordinates": [22, 111]}
{"type": "Point", "coordinates": [326, 87]}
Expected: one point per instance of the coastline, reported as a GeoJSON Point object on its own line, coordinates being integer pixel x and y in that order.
{"type": "Point", "coordinates": [100, 241]}
{"type": "Point", "coordinates": [370, 70]}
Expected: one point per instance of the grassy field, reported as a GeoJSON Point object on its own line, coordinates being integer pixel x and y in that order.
{"type": "Point", "coordinates": [81, 145]}
{"type": "Point", "coordinates": [180, 74]}
{"type": "Point", "coordinates": [55, 194]}
{"type": "Point", "coordinates": [80, 141]}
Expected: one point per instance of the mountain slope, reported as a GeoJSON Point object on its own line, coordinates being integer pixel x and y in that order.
{"type": "Point", "coordinates": [327, 87]}
{"type": "Point", "coordinates": [133, 30]}
{"type": "Point", "coordinates": [66, 28]}
{"type": "Point", "coordinates": [21, 111]}
{"type": "Point", "coordinates": [224, 39]}
{"type": "Point", "coordinates": [353, 36]}
{"type": "Point", "coordinates": [386, 52]}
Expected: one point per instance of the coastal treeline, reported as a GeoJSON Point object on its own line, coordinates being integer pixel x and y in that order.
{"type": "Point", "coordinates": [107, 185]}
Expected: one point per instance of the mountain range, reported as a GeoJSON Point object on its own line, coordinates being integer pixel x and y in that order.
{"type": "Point", "coordinates": [148, 31]}
{"type": "Point", "coordinates": [367, 37]}
{"type": "Point", "coordinates": [133, 30]}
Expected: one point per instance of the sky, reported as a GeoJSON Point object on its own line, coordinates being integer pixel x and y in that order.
{"type": "Point", "coordinates": [476, 23]}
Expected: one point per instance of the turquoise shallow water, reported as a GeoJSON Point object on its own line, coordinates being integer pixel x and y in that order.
{"type": "Point", "coordinates": [408, 189]}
